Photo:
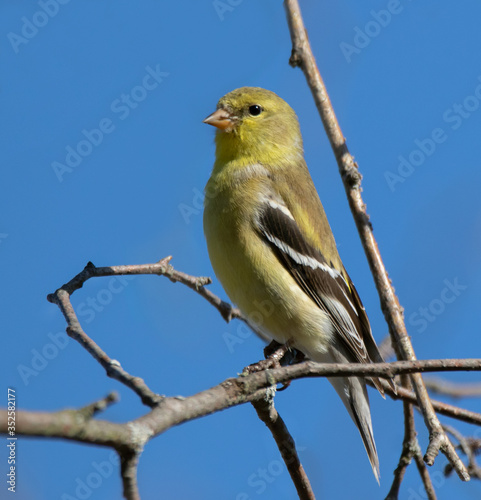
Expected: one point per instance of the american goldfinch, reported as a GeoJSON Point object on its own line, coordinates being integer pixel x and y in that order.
{"type": "Point", "coordinates": [273, 250]}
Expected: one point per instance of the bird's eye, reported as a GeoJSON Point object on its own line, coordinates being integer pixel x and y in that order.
{"type": "Point", "coordinates": [255, 110]}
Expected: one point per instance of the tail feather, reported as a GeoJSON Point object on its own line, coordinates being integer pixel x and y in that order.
{"type": "Point", "coordinates": [353, 392]}
{"type": "Point", "coordinates": [361, 415]}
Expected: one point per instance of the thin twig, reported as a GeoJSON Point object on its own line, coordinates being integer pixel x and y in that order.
{"type": "Point", "coordinates": [466, 445]}
{"type": "Point", "coordinates": [424, 473]}
{"type": "Point", "coordinates": [410, 449]}
{"type": "Point", "coordinates": [61, 297]}
{"type": "Point", "coordinates": [303, 57]}
{"type": "Point", "coordinates": [386, 349]}
{"type": "Point", "coordinates": [92, 409]}
{"type": "Point", "coordinates": [268, 414]}
{"type": "Point", "coordinates": [112, 367]}
{"type": "Point", "coordinates": [455, 390]}
{"type": "Point", "coordinates": [160, 268]}
{"type": "Point", "coordinates": [406, 453]}
{"type": "Point", "coordinates": [440, 407]}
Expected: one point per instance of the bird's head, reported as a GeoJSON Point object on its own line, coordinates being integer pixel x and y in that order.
{"type": "Point", "coordinates": [255, 125]}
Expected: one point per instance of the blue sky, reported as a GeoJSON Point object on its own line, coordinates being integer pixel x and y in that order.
{"type": "Point", "coordinates": [105, 157]}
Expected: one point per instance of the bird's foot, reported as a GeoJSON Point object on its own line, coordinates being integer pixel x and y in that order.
{"type": "Point", "coordinates": [277, 355]}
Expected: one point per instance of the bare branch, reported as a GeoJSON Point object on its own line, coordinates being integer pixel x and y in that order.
{"type": "Point", "coordinates": [97, 406]}
{"type": "Point", "coordinates": [129, 439]}
{"type": "Point", "coordinates": [68, 424]}
{"type": "Point", "coordinates": [173, 411]}
{"type": "Point", "coordinates": [410, 449]}
{"type": "Point", "coordinates": [303, 57]}
{"type": "Point", "coordinates": [128, 469]}
{"type": "Point", "coordinates": [424, 473]}
{"type": "Point", "coordinates": [160, 268]}
{"type": "Point", "coordinates": [113, 368]}
{"type": "Point", "coordinates": [469, 447]}
{"type": "Point", "coordinates": [453, 389]}
{"type": "Point", "coordinates": [445, 409]}
{"type": "Point", "coordinates": [61, 297]}
{"type": "Point", "coordinates": [268, 414]}
{"type": "Point", "coordinates": [385, 348]}
{"type": "Point", "coordinates": [406, 452]}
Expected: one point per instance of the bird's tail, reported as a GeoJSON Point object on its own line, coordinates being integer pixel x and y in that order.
{"type": "Point", "coordinates": [353, 392]}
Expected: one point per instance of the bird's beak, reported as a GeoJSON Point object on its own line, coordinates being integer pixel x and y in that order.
{"type": "Point", "coordinates": [221, 119]}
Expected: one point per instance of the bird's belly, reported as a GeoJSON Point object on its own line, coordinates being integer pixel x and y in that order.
{"type": "Point", "coordinates": [271, 301]}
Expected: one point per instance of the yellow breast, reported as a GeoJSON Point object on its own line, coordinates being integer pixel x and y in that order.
{"type": "Point", "coordinates": [251, 274]}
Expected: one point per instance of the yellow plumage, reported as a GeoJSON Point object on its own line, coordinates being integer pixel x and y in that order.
{"type": "Point", "coordinates": [271, 246]}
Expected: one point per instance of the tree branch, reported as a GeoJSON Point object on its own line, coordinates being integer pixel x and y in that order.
{"type": "Point", "coordinates": [129, 438]}
{"type": "Point", "coordinates": [469, 447]}
{"type": "Point", "coordinates": [455, 390]}
{"type": "Point", "coordinates": [112, 367]}
{"type": "Point", "coordinates": [68, 424]}
{"type": "Point", "coordinates": [160, 268]}
{"type": "Point", "coordinates": [129, 443]}
{"type": "Point", "coordinates": [172, 411]}
{"type": "Point", "coordinates": [128, 469]}
{"type": "Point", "coordinates": [410, 449]}
{"type": "Point", "coordinates": [303, 57]}
{"type": "Point", "coordinates": [268, 414]}
{"type": "Point", "coordinates": [445, 409]}
{"type": "Point", "coordinates": [92, 409]}
{"type": "Point", "coordinates": [61, 297]}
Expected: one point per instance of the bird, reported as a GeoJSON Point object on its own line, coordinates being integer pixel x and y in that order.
{"type": "Point", "coordinates": [272, 249]}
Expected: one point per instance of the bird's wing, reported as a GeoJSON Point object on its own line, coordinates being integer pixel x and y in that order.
{"type": "Point", "coordinates": [331, 289]}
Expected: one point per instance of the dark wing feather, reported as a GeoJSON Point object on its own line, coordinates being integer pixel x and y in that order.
{"type": "Point", "coordinates": [333, 292]}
